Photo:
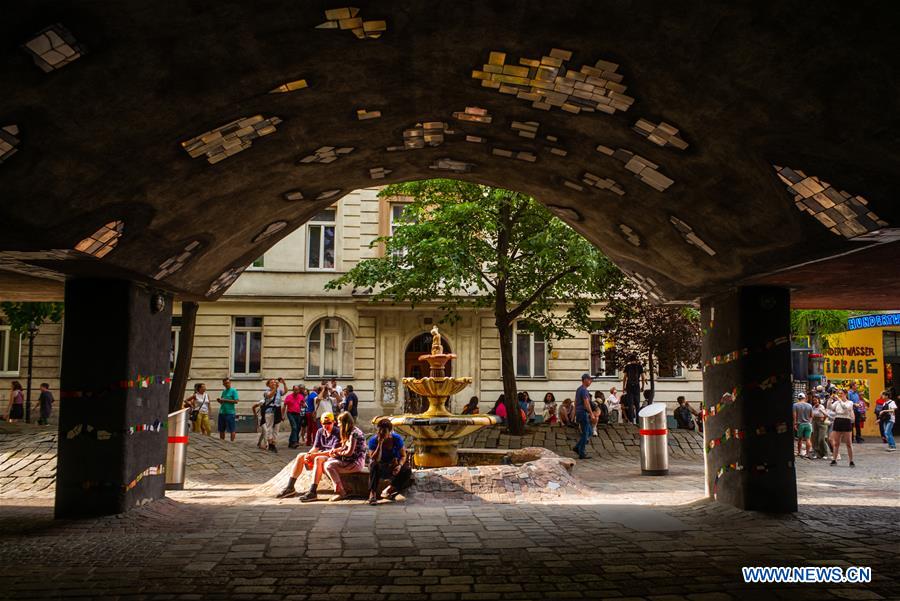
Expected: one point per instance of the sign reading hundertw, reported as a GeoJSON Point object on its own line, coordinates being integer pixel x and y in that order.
{"type": "Point", "coordinates": [873, 321]}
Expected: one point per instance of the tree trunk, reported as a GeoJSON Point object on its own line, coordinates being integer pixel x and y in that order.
{"type": "Point", "coordinates": [508, 373]}
{"type": "Point", "coordinates": [652, 375]}
{"type": "Point", "coordinates": [185, 351]}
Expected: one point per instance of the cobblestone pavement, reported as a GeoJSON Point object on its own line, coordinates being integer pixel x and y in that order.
{"type": "Point", "coordinates": [638, 538]}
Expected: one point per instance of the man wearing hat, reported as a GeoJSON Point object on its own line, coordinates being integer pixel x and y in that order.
{"type": "Point", "coordinates": [327, 438]}
{"type": "Point", "coordinates": [583, 414]}
{"type": "Point", "coordinates": [803, 425]}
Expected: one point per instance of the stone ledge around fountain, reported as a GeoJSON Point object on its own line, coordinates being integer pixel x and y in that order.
{"type": "Point", "coordinates": [530, 475]}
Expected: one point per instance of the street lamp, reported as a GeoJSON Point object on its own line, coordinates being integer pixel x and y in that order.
{"type": "Point", "coordinates": [32, 332]}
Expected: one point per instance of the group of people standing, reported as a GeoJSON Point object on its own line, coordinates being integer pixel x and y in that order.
{"type": "Point", "coordinates": [302, 408]}
{"type": "Point", "coordinates": [827, 419]}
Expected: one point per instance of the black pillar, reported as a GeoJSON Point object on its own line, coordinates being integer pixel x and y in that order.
{"type": "Point", "coordinates": [113, 394]}
{"type": "Point", "coordinates": [747, 352]}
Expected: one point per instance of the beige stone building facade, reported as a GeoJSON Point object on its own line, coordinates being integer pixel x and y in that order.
{"type": "Point", "coordinates": [277, 320]}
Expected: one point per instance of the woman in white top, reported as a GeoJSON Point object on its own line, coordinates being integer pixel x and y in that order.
{"type": "Point", "coordinates": [842, 410]}
{"type": "Point", "coordinates": [199, 402]}
{"type": "Point", "coordinates": [615, 409]}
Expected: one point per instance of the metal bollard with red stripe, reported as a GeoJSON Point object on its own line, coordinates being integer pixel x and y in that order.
{"type": "Point", "coordinates": [654, 440]}
{"type": "Point", "coordinates": [176, 450]}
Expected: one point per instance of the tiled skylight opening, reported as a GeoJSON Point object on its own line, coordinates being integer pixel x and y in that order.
{"type": "Point", "coordinates": [100, 243]}
{"type": "Point", "coordinates": [54, 48]}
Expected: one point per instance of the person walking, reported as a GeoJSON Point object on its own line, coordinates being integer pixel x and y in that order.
{"type": "Point", "coordinates": [819, 429]}
{"type": "Point", "coordinates": [15, 410]}
{"type": "Point", "coordinates": [45, 403]}
{"type": "Point", "coordinates": [859, 410]}
{"type": "Point", "coordinates": [228, 401]}
{"type": "Point", "coordinates": [583, 415]}
{"type": "Point", "coordinates": [843, 427]}
{"type": "Point", "coordinates": [633, 382]}
{"type": "Point", "coordinates": [888, 418]}
{"type": "Point", "coordinates": [293, 409]}
{"type": "Point", "coordinates": [388, 461]}
{"type": "Point", "coordinates": [803, 425]}
{"type": "Point", "coordinates": [347, 458]}
{"type": "Point", "coordinates": [199, 402]}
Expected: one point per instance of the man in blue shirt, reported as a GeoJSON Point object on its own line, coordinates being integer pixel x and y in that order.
{"type": "Point", "coordinates": [583, 414]}
{"type": "Point", "coordinates": [388, 462]}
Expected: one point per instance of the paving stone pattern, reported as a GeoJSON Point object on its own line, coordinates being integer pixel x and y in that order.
{"type": "Point", "coordinates": [634, 538]}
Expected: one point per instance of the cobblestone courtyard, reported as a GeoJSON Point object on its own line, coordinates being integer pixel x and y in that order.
{"type": "Point", "coordinates": [636, 538]}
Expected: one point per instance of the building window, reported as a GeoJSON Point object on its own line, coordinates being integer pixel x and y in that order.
{"type": "Point", "coordinates": [10, 347]}
{"type": "Point", "coordinates": [247, 346]}
{"type": "Point", "coordinates": [530, 352]}
{"type": "Point", "coordinates": [258, 263]}
{"type": "Point", "coordinates": [173, 346]}
{"type": "Point", "coordinates": [320, 240]}
{"type": "Point", "coordinates": [666, 368]}
{"type": "Point", "coordinates": [603, 356]}
{"type": "Point", "coordinates": [330, 351]}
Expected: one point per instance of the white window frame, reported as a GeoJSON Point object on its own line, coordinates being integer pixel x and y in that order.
{"type": "Point", "coordinates": [322, 224]}
{"type": "Point", "coordinates": [245, 330]}
{"type": "Point", "coordinates": [531, 363]}
{"type": "Point", "coordinates": [344, 372]}
{"type": "Point", "coordinates": [602, 336]}
{"type": "Point", "coordinates": [680, 373]}
{"type": "Point", "coordinates": [4, 353]}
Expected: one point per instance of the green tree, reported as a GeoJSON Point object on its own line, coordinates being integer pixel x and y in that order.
{"type": "Point", "coordinates": [473, 246]}
{"type": "Point", "coordinates": [816, 324]}
{"type": "Point", "coordinates": [21, 315]}
{"type": "Point", "coordinates": [652, 332]}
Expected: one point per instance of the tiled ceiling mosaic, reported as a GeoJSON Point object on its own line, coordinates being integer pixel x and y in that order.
{"type": "Point", "coordinates": [630, 235]}
{"type": "Point", "coordinates": [687, 232]}
{"type": "Point", "coordinates": [326, 154]}
{"type": "Point", "coordinates": [271, 229]}
{"type": "Point", "coordinates": [176, 262]}
{"type": "Point", "coordinates": [474, 114]}
{"type": "Point", "coordinates": [348, 19]}
{"type": "Point", "coordinates": [379, 172]}
{"type": "Point", "coordinates": [8, 141]}
{"type": "Point", "coordinates": [548, 83]}
{"type": "Point", "coordinates": [447, 164]}
{"type": "Point", "coordinates": [645, 170]}
{"type": "Point", "coordinates": [429, 133]}
{"type": "Point", "coordinates": [842, 213]}
{"type": "Point", "coordinates": [225, 280]}
{"type": "Point", "coordinates": [661, 135]}
{"type": "Point", "coordinates": [291, 86]}
{"type": "Point", "coordinates": [103, 241]}
{"type": "Point", "coordinates": [231, 138]}
{"type": "Point", "coordinates": [54, 48]}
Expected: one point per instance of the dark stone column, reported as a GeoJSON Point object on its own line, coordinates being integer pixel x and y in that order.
{"type": "Point", "coordinates": [746, 351]}
{"type": "Point", "coordinates": [112, 336]}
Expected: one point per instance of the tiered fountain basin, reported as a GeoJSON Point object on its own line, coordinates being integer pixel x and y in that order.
{"type": "Point", "coordinates": [436, 432]}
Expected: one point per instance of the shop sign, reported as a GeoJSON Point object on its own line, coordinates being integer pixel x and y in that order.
{"type": "Point", "coordinates": [850, 360]}
{"type": "Point", "coordinates": [880, 320]}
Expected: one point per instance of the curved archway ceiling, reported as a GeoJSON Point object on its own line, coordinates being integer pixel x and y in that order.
{"type": "Point", "coordinates": [175, 146]}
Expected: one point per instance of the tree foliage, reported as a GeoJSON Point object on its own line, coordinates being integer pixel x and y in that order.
{"type": "Point", "coordinates": [21, 315]}
{"type": "Point", "coordinates": [816, 324]}
{"type": "Point", "coordinates": [467, 245]}
{"type": "Point", "coordinates": [652, 332]}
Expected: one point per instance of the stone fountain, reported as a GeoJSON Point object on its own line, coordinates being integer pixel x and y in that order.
{"type": "Point", "coordinates": [436, 432]}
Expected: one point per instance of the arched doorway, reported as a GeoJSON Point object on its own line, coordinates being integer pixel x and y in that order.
{"type": "Point", "coordinates": [413, 367]}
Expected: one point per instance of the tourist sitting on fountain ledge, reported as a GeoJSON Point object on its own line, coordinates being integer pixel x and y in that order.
{"type": "Point", "coordinates": [349, 457]}
{"type": "Point", "coordinates": [388, 462]}
{"type": "Point", "coordinates": [327, 439]}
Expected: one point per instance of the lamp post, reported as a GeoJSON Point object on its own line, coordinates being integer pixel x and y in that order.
{"type": "Point", "coordinates": [32, 332]}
